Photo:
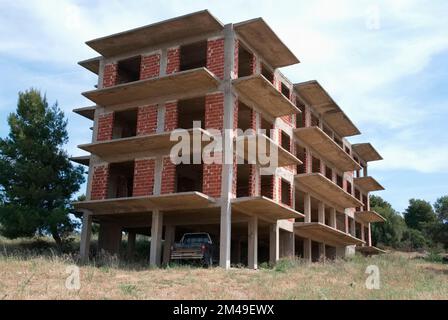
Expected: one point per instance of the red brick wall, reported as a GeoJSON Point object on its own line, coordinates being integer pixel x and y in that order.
{"type": "Point", "coordinates": [211, 183]}
{"type": "Point", "coordinates": [150, 66]}
{"type": "Point", "coordinates": [235, 58]}
{"type": "Point", "coordinates": [214, 111]}
{"type": "Point", "coordinates": [173, 60]}
{"type": "Point", "coordinates": [143, 177]}
{"type": "Point", "coordinates": [215, 57]}
{"type": "Point", "coordinates": [105, 126]}
{"type": "Point", "coordinates": [253, 181]}
{"type": "Point", "coordinates": [168, 176]}
{"type": "Point", "coordinates": [147, 120]}
{"type": "Point", "coordinates": [99, 182]}
{"type": "Point", "coordinates": [110, 75]}
{"type": "Point", "coordinates": [171, 116]}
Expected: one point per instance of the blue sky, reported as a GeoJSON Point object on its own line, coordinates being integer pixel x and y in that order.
{"type": "Point", "coordinates": [384, 62]}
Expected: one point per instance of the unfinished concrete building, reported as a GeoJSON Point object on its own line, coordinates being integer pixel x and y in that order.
{"type": "Point", "coordinates": [164, 76]}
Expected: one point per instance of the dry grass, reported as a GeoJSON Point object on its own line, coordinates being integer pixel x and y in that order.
{"type": "Point", "coordinates": [27, 274]}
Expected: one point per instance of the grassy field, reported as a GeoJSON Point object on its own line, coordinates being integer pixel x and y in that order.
{"type": "Point", "coordinates": [33, 270]}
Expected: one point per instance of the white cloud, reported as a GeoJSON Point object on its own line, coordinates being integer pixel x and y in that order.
{"type": "Point", "coordinates": [363, 68]}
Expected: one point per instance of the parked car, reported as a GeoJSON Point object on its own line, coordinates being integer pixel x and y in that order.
{"type": "Point", "coordinates": [194, 247]}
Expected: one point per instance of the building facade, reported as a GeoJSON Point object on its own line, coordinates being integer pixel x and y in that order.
{"type": "Point", "coordinates": [194, 73]}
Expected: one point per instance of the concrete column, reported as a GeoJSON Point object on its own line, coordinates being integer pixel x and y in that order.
{"type": "Point", "coordinates": [322, 253]}
{"type": "Point", "coordinates": [170, 232]}
{"type": "Point", "coordinates": [287, 244]}
{"type": "Point", "coordinates": [307, 207]}
{"type": "Point", "coordinates": [363, 234]}
{"type": "Point", "coordinates": [227, 168]}
{"type": "Point", "coordinates": [307, 249]}
{"type": "Point", "coordinates": [369, 239]}
{"type": "Point", "coordinates": [321, 212]}
{"type": "Point", "coordinates": [274, 243]}
{"type": "Point", "coordinates": [353, 228]}
{"type": "Point", "coordinates": [365, 173]}
{"type": "Point", "coordinates": [156, 238]}
{"type": "Point", "coordinates": [252, 243]}
{"type": "Point", "coordinates": [346, 224]}
{"type": "Point", "coordinates": [333, 218]}
{"type": "Point", "coordinates": [86, 231]}
{"type": "Point", "coordinates": [131, 244]}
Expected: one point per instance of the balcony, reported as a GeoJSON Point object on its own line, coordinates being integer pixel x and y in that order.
{"type": "Point", "coordinates": [125, 148]}
{"type": "Point", "coordinates": [368, 184]}
{"type": "Point", "coordinates": [257, 34]}
{"type": "Point", "coordinates": [316, 96]}
{"type": "Point", "coordinates": [264, 208]}
{"type": "Point", "coordinates": [285, 158]}
{"type": "Point", "coordinates": [369, 216]}
{"type": "Point", "coordinates": [326, 147]}
{"type": "Point", "coordinates": [93, 65]}
{"type": "Point", "coordinates": [165, 202]}
{"type": "Point", "coordinates": [322, 233]}
{"type": "Point", "coordinates": [366, 151]}
{"type": "Point", "coordinates": [87, 112]}
{"type": "Point", "coordinates": [173, 86]}
{"type": "Point", "coordinates": [264, 95]}
{"type": "Point", "coordinates": [326, 189]}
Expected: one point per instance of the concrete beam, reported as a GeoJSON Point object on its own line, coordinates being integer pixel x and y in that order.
{"type": "Point", "coordinates": [274, 243]}
{"type": "Point", "coordinates": [170, 232]}
{"type": "Point", "coordinates": [156, 238]}
{"type": "Point", "coordinates": [252, 243]}
{"type": "Point", "coordinates": [85, 236]}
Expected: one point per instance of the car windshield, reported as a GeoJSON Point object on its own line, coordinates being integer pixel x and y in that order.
{"type": "Point", "coordinates": [195, 239]}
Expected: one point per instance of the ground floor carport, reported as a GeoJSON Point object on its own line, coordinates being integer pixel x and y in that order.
{"type": "Point", "coordinates": [256, 234]}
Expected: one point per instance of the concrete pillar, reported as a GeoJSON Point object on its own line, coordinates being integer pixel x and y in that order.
{"type": "Point", "coordinates": [287, 241]}
{"type": "Point", "coordinates": [109, 238]}
{"type": "Point", "coordinates": [252, 243]}
{"type": "Point", "coordinates": [321, 212]}
{"type": "Point", "coordinates": [322, 253]}
{"type": "Point", "coordinates": [86, 231]}
{"type": "Point", "coordinates": [156, 238]}
{"type": "Point", "coordinates": [365, 173]}
{"type": "Point", "coordinates": [307, 207]}
{"type": "Point", "coordinates": [333, 218]}
{"type": "Point", "coordinates": [307, 249]}
{"type": "Point", "coordinates": [170, 232]}
{"type": "Point", "coordinates": [369, 239]}
{"type": "Point", "coordinates": [131, 244]}
{"type": "Point", "coordinates": [227, 168]}
{"type": "Point", "coordinates": [346, 224]}
{"type": "Point", "coordinates": [274, 243]}
{"type": "Point", "coordinates": [363, 234]}
{"type": "Point", "coordinates": [353, 228]}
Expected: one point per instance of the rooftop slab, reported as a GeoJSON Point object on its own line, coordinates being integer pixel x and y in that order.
{"type": "Point", "coordinates": [186, 26]}
{"type": "Point", "coordinates": [258, 34]}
